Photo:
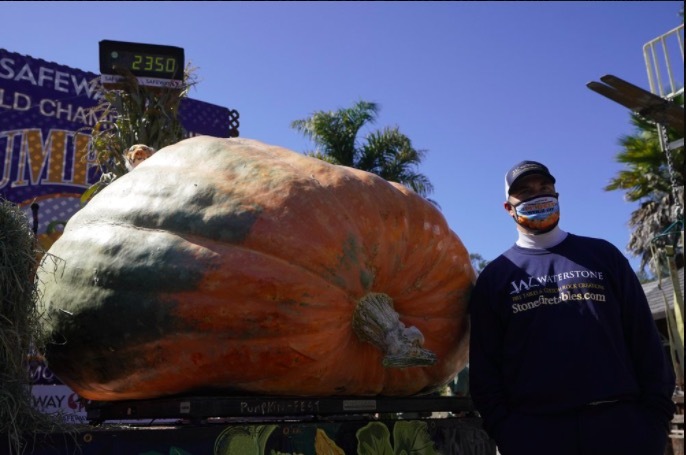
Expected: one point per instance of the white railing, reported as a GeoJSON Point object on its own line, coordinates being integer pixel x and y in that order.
{"type": "Point", "coordinates": [662, 56]}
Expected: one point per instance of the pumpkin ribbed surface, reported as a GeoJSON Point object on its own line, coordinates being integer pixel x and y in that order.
{"type": "Point", "coordinates": [234, 265]}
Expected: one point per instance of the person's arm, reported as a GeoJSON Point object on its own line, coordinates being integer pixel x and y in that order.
{"type": "Point", "coordinates": [654, 371]}
{"type": "Point", "coordinates": [486, 380]}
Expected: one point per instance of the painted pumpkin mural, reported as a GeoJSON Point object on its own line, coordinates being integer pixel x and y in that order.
{"type": "Point", "coordinates": [233, 265]}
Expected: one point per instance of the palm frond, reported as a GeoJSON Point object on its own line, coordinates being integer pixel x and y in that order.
{"type": "Point", "coordinates": [649, 180]}
{"type": "Point", "coordinates": [335, 133]}
{"type": "Point", "coordinates": [386, 152]}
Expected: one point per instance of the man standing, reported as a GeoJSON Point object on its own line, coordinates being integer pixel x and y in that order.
{"type": "Point", "coordinates": [565, 358]}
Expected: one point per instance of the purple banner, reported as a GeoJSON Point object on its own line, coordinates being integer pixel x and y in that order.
{"type": "Point", "coordinates": [45, 157]}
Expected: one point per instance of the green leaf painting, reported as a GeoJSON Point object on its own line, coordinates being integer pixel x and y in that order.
{"type": "Point", "coordinates": [409, 438]}
{"type": "Point", "coordinates": [244, 440]}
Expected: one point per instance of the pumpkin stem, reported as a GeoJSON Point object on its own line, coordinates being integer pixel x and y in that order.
{"type": "Point", "coordinates": [376, 322]}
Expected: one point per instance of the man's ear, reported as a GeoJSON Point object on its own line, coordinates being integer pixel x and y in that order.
{"type": "Point", "coordinates": [507, 206]}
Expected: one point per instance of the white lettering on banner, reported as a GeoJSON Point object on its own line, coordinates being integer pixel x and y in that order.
{"type": "Point", "coordinates": [25, 74]}
{"type": "Point", "coordinates": [47, 107]}
{"type": "Point", "coordinates": [18, 101]}
{"type": "Point", "coordinates": [6, 68]}
{"type": "Point", "coordinates": [60, 81]}
{"type": "Point", "coordinates": [62, 111]}
{"type": "Point", "coordinates": [38, 372]}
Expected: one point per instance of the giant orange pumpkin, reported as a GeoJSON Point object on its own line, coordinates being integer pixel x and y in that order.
{"type": "Point", "coordinates": [234, 265]}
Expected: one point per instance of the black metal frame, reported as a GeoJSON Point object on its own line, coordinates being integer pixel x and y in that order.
{"type": "Point", "coordinates": [199, 408]}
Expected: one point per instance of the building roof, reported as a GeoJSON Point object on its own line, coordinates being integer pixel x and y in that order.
{"type": "Point", "coordinates": [659, 290]}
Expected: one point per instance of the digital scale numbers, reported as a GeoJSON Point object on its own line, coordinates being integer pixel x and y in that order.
{"type": "Point", "coordinates": [148, 63]}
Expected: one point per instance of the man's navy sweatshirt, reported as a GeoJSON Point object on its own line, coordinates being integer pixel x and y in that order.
{"type": "Point", "coordinates": [562, 328]}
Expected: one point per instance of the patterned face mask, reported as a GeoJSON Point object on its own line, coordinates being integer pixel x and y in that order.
{"type": "Point", "coordinates": [539, 214]}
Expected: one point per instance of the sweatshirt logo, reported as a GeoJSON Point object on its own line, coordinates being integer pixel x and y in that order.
{"type": "Point", "coordinates": [540, 281]}
{"type": "Point", "coordinates": [573, 286]}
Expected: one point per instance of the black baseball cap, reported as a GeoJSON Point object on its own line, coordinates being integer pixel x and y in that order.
{"type": "Point", "coordinates": [523, 169]}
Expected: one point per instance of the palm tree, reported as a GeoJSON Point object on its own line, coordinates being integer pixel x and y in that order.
{"type": "Point", "coordinates": [650, 181]}
{"type": "Point", "coordinates": [478, 262]}
{"type": "Point", "coordinates": [387, 153]}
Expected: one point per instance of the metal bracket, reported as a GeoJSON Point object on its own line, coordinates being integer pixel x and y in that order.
{"type": "Point", "coordinates": [642, 102]}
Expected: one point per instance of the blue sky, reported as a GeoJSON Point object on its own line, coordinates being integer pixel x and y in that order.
{"type": "Point", "coordinates": [478, 85]}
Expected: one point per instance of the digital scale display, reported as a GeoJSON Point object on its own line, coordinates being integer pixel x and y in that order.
{"type": "Point", "coordinates": [153, 65]}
